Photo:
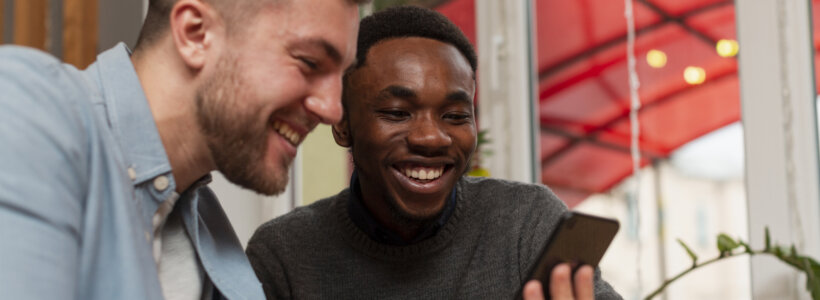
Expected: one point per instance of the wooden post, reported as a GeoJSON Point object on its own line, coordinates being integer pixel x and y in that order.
{"type": "Point", "coordinates": [30, 23]}
{"type": "Point", "coordinates": [2, 14]}
{"type": "Point", "coordinates": [80, 32]}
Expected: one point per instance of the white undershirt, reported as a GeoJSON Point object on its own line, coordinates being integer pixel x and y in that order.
{"type": "Point", "coordinates": [180, 274]}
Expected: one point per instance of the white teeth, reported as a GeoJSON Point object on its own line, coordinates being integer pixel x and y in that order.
{"type": "Point", "coordinates": [287, 132]}
{"type": "Point", "coordinates": [424, 173]}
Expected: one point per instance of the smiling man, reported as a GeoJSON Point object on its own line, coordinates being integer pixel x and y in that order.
{"type": "Point", "coordinates": [411, 225]}
{"type": "Point", "coordinates": [104, 172]}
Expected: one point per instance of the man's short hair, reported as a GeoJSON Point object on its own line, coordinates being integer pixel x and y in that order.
{"type": "Point", "coordinates": [234, 11]}
{"type": "Point", "coordinates": [410, 21]}
{"type": "Point", "coordinates": [156, 21]}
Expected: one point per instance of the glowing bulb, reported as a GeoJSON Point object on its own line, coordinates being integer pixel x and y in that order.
{"type": "Point", "coordinates": [727, 48]}
{"type": "Point", "coordinates": [694, 75]}
{"type": "Point", "coordinates": [656, 58]}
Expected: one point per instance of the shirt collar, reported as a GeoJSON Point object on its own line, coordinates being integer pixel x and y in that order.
{"type": "Point", "coordinates": [130, 117]}
{"type": "Point", "coordinates": [366, 222]}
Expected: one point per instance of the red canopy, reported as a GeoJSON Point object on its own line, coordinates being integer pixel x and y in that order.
{"type": "Point", "coordinates": [583, 84]}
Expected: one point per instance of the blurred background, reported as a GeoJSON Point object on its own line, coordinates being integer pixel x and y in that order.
{"type": "Point", "coordinates": [726, 142]}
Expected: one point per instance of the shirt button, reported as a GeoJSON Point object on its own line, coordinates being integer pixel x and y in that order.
{"type": "Point", "coordinates": [161, 183]}
{"type": "Point", "coordinates": [132, 174]}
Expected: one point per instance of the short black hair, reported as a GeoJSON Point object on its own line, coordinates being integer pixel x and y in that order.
{"type": "Point", "coordinates": [410, 21]}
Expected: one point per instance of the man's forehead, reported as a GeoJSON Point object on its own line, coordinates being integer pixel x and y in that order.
{"type": "Point", "coordinates": [332, 25]}
{"type": "Point", "coordinates": [407, 58]}
{"type": "Point", "coordinates": [414, 48]}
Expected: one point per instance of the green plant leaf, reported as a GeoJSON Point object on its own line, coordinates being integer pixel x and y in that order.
{"type": "Point", "coordinates": [815, 267]}
{"type": "Point", "coordinates": [789, 256]}
{"type": "Point", "coordinates": [768, 245]}
{"type": "Point", "coordinates": [777, 251]}
{"type": "Point", "coordinates": [813, 286]}
{"type": "Point", "coordinates": [745, 246]}
{"type": "Point", "coordinates": [483, 137]}
{"type": "Point", "coordinates": [689, 251]}
{"type": "Point", "coordinates": [726, 244]}
{"type": "Point", "coordinates": [806, 266]}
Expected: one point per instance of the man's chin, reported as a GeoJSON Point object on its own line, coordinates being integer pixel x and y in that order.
{"type": "Point", "coordinates": [417, 217]}
{"type": "Point", "coordinates": [270, 185]}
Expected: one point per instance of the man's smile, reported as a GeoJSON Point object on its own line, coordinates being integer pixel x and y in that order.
{"type": "Point", "coordinates": [423, 178]}
{"type": "Point", "coordinates": [421, 173]}
{"type": "Point", "coordinates": [293, 136]}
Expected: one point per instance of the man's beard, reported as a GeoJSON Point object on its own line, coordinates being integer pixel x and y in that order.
{"type": "Point", "coordinates": [235, 137]}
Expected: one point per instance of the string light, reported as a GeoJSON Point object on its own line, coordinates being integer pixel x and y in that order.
{"type": "Point", "coordinates": [694, 75]}
{"type": "Point", "coordinates": [656, 58]}
{"type": "Point", "coordinates": [634, 136]}
{"type": "Point", "coordinates": [727, 48]}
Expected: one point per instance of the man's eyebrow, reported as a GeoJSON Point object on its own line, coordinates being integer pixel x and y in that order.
{"type": "Point", "coordinates": [397, 91]}
{"type": "Point", "coordinates": [460, 96]}
{"type": "Point", "coordinates": [323, 44]}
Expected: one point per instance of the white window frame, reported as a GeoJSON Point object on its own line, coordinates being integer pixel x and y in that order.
{"type": "Point", "coordinates": [776, 69]}
{"type": "Point", "coordinates": [507, 88]}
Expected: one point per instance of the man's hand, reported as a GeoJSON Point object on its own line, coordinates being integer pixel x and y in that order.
{"type": "Point", "coordinates": [561, 287]}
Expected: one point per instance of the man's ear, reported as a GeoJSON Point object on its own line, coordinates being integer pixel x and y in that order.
{"type": "Point", "coordinates": [192, 25]}
{"type": "Point", "coordinates": [341, 133]}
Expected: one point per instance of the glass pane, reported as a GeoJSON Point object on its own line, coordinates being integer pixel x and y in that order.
{"type": "Point", "coordinates": [691, 185]}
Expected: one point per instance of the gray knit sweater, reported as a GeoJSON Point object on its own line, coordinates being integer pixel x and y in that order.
{"type": "Point", "coordinates": [483, 252]}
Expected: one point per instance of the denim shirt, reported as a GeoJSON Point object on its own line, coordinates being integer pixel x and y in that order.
{"type": "Point", "coordinates": [82, 172]}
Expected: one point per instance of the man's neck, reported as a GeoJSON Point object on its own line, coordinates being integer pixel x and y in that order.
{"type": "Point", "coordinates": [377, 204]}
{"type": "Point", "coordinates": [171, 90]}
{"type": "Point", "coordinates": [390, 220]}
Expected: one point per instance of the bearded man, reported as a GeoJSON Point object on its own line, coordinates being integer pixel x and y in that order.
{"type": "Point", "coordinates": [103, 172]}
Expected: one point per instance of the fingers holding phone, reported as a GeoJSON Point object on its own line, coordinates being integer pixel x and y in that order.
{"type": "Point", "coordinates": [578, 240]}
{"type": "Point", "coordinates": [580, 288]}
{"type": "Point", "coordinates": [561, 287]}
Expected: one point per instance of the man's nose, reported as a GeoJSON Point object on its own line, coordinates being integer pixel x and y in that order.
{"type": "Point", "coordinates": [326, 102]}
{"type": "Point", "coordinates": [428, 137]}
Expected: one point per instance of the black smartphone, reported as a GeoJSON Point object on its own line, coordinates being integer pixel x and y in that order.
{"type": "Point", "coordinates": [580, 239]}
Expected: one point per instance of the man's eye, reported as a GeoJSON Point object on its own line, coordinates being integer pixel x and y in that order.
{"type": "Point", "coordinates": [394, 114]}
{"type": "Point", "coordinates": [458, 117]}
{"type": "Point", "coordinates": [309, 63]}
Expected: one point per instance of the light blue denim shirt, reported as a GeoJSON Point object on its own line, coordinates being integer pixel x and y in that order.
{"type": "Point", "coordinates": [79, 160]}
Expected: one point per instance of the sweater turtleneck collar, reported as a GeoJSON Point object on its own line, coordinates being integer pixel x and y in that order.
{"type": "Point", "coordinates": [367, 223]}
{"type": "Point", "coordinates": [362, 241]}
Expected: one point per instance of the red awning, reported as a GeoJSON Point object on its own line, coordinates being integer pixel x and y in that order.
{"type": "Point", "coordinates": [584, 96]}
{"type": "Point", "coordinates": [583, 85]}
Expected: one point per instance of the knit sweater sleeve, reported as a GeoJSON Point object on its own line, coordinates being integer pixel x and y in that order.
{"type": "Point", "coordinates": [539, 211]}
{"type": "Point", "coordinates": [541, 214]}
{"type": "Point", "coordinates": [268, 265]}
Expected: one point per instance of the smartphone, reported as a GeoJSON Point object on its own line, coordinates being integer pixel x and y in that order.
{"type": "Point", "coordinates": [580, 239]}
